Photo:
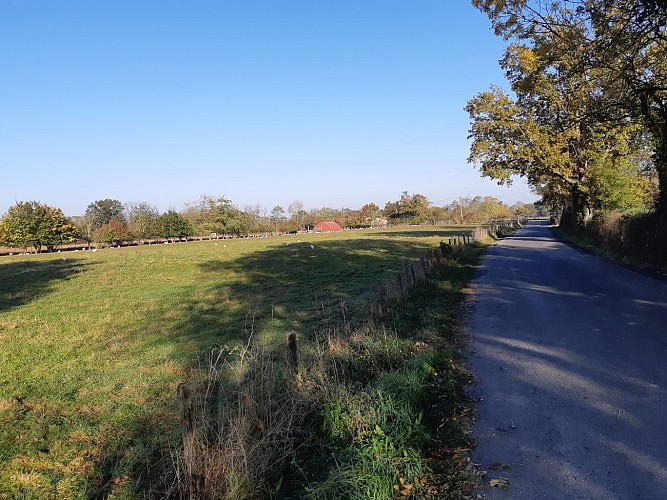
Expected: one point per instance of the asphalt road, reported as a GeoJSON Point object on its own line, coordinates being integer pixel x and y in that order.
{"type": "Point", "coordinates": [569, 352]}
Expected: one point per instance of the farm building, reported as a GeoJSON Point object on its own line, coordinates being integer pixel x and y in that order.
{"type": "Point", "coordinates": [327, 227]}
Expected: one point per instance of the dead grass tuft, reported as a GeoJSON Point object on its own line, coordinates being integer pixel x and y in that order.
{"type": "Point", "coordinates": [245, 430]}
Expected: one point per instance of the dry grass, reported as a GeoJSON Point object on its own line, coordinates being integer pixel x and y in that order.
{"type": "Point", "coordinates": [244, 429]}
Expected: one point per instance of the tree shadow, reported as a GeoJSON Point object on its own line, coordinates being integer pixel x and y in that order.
{"type": "Point", "coordinates": [297, 284]}
{"type": "Point", "coordinates": [24, 281]}
{"type": "Point", "coordinates": [257, 297]}
{"type": "Point", "coordinates": [569, 366]}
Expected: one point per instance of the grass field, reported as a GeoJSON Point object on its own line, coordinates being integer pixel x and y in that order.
{"type": "Point", "coordinates": [94, 344]}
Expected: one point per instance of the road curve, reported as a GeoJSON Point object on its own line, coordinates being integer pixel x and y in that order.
{"type": "Point", "coordinates": [569, 353]}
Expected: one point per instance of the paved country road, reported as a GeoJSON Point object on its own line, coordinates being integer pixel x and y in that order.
{"type": "Point", "coordinates": [569, 352]}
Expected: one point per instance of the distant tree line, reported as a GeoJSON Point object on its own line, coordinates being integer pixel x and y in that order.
{"type": "Point", "coordinates": [110, 222]}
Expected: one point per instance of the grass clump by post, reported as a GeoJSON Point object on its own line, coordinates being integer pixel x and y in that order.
{"type": "Point", "coordinates": [244, 425]}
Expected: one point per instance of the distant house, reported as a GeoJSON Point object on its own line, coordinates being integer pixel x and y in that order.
{"type": "Point", "coordinates": [327, 227]}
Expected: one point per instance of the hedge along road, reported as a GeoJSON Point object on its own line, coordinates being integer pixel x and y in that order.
{"type": "Point", "coordinates": [569, 353]}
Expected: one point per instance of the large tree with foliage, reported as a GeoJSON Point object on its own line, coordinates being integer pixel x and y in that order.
{"type": "Point", "coordinates": [33, 224]}
{"type": "Point", "coordinates": [254, 222]}
{"type": "Point", "coordinates": [277, 216]}
{"type": "Point", "coordinates": [590, 82]}
{"type": "Point", "coordinates": [296, 212]}
{"type": "Point", "coordinates": [216, 214]}
{"type": "Point", "coordinates": [142, 220]}
{"type": "Point", "coordinates": [104, 211]}
{"type": "Point", "coordinates": [114, 232]}
{"type": "Point", "coordinates": [172, 225]}
{"type": "Point", "coordinates": [86, 227]}
{"type": "Point", "coordinates": [409, 209]}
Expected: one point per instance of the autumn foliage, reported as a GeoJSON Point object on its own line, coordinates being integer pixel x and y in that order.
{"type": "Point", "coordinates": [32, 224]}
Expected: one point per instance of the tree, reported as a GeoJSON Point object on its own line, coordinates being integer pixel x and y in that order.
{"type": "Point", "coordinates": [521, 209]}
{"type": "Point", "coordinates": [630, 43]}
{"type": "Point", "coordinates": [114, 232]}
{"type": "Point", "coordinates": [212, 214]}
{"type": "Point", "coordinates": [142, 219]}
{"type": "Point", "coordinates": [277, 215]}
{"type": "Point", "coordinates": [410, 209]}
{"type": "Point", "coordinates": [254, 220]}
{"type": "Point", "coordinates": [370, 211]}
{"type": "Point", "coordinates": [171, 225]}
{"type": "Point", "coordinates": [33, 224]}
{"type": "Point", "coordinates": [104, 211]}
{"type": "Point", "coordinates": [560, 132]}
{"type": "Point", "coordinates": [295, 209]}
{"type": "Point", "coordinates": [86, 228]}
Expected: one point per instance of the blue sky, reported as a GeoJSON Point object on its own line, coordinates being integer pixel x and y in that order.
{"type": "Point", "coordinates": [334, 103]}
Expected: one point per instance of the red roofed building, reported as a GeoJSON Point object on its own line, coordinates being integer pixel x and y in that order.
{"type": "Point", "coordinates": [327, 227]}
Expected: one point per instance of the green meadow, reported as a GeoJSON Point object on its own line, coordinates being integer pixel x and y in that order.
{"type": "Point", "coordinates": [93, 344]}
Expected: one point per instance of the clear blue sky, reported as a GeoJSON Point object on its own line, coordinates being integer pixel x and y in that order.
{"type": "Point", "coordinates": [331, 102]}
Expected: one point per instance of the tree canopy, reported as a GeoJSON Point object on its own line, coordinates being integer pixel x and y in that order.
{"type": "Point", "coordinates": [589, 85]}
{"type": "Point", "coordinates": [33, 224]}
{"type": "Point", "coordinates": [142, 220]}
{"type": "Point", "coordinates": [172, 225]}
{"type": "Point", "coordinates": [216, 214]}
{"type": "Point", "coordinates": [409, 209]}
{"type": "Point", "coordinates": [104, 211]}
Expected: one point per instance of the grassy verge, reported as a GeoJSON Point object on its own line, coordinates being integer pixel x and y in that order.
{"type": "Point", "coordinates": [392, 421]}
{"type": "Point", "coordinates": [95, 344]}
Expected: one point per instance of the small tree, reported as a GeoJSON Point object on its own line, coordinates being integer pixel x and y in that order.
{"type": "Point", "coordinates": [171, 225]}
{"type": "Point", "coordinates": [33, 224]}
{"type": "Point", "coordinates": [114, 232]}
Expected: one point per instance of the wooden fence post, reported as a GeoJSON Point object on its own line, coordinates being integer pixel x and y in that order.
{"type": "Point", "coordinates": [185, 403]}
{"type": "Point", "coordinates": [292, 352]}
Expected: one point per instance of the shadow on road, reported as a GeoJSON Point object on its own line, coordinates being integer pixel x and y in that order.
{"type": "Point", "coordinates": [570, 352]}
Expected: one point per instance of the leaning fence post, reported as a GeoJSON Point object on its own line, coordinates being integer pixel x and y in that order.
{"type": "Point", "coordinates": [184, 396]}
{"type": "Point", "coordinates": [292, 354]}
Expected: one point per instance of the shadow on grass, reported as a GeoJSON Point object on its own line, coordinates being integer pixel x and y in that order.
{"type": "Point", "coordinates": [296, 284]}
{"type": "Point", "coordinates": [24, 281]}
{"type": "Point", "coordinates": [264, 293]}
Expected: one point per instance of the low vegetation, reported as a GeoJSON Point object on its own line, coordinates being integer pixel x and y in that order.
{"type": "Point", "coordinates": [96, 343]}
{"type": "Point", "coordinates": [630, 240]}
